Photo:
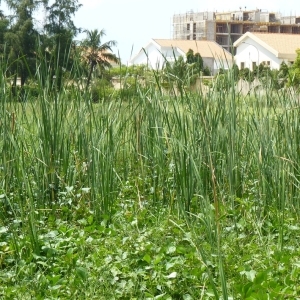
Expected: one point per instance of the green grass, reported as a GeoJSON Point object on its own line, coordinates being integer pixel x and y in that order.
{"type": "Point", "coordinates": [156, 194]}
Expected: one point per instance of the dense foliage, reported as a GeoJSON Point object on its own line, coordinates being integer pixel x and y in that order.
{"type": "Point", "coordinates": [286, 76]}
{"type": "Point", "coordinates": [55, 41]}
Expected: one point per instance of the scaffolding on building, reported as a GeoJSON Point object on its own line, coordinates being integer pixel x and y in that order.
{"type": "Point", "coordinates": [227, 27]}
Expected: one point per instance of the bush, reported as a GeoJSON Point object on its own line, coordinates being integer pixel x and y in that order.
{"type": "Point", "coordinates": [207, 83]}
{"type": "Point", "coordinates": [129, 88]}
{"type": "Point", "coordinates": [294, 72]}
{"type": "Point", "coordinates": [128, 70]}
{"type": "Point", "coordinates": [246, 74]}
{"type": "Point", "coordinates": [206, 71]}
{"type": "Point", "coordinates": [222, 82]}
{"type": "Point", "coordinates": [236, 72]}
{"type": "Point", "coordinates": [32, 89]}
{"type": "Point", "coordinates": [101, 90]}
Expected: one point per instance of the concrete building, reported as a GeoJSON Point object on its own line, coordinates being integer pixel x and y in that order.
{"type": "Point", "coordinates": [270, 49]}
{"type": "Point", "coordinates": [159, 51]}
{"type": "Point", "coordinates": [227, 27]}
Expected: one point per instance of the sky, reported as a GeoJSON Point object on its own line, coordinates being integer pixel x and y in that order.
{"type": "Point", "coordinates": [133, 23]}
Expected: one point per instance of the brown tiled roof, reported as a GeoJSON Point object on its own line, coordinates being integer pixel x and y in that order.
{"type": "Point", "coordinates": [205, 48]}
{"type": "Point", "coordinates": [284, 44]}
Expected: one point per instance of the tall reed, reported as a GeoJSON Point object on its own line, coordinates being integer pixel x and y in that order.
{"type": "Point", "coordinates": [199, 154]}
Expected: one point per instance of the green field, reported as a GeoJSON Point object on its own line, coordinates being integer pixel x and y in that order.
{"type": "Point", "coordinates": [150, 194]}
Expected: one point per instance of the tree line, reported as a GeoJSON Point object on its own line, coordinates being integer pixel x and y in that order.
{"type": "Point", "coordinates": [25, 48]}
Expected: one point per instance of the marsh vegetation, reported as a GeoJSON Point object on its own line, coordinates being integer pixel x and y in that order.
{"type": "Point", "coordinates": [151, 192]}
{"type": "Point", "coordinates": [155, 190]}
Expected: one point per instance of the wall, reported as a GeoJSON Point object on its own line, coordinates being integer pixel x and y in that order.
{"type": "Point", "coordinates": [256, 53]}
{"type": "Point", "coordinates": [155, 58]}
{"type": "Point", "coordinates": [218, 64]}
{"type": "Point", "coordinates": [210, 30]}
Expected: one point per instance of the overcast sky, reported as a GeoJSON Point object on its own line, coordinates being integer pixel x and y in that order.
{"type": "Point", "coordinates": [132, 23]}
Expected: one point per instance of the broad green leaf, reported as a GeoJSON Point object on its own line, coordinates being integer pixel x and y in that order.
{"type": "Point", "coordinates": [147, 258]}
{"type": "Point", "coordinates": [82, 273]}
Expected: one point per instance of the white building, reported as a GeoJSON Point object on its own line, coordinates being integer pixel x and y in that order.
{"type": "Point", "coordinates": [158, 51]}
{"type": "Point", "coordinates": [270, 49]}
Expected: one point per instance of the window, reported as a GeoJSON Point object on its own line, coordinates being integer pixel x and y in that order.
{"type": "Point", "coordinates": [194, 27]}
{"type": "Point", "coordinates": [266, 63]}
{"type": "Point", "coordinates": [221, 40]}
{"type": "Point", "coordinates": [253, 65]}
{"type": "Point", "coordinates": [188, 26]}
{"type": "Point", "coordinates": [242, 65]}
{"type": "Point", "coordinates": [194, 36]}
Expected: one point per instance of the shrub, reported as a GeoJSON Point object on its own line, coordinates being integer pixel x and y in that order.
{"type": "Point", "coordinates": [128, 70]}
{"type": "Point", "coordinates": [207, 83]}
{"type": "Point", "coordinates": [101, 90]}
{"type": "Point", "coordinates": [246, 74]}
{"type": "Point", "coordinates": [294, 73]}
{"type": "Point", "coordinates": [206, 71]}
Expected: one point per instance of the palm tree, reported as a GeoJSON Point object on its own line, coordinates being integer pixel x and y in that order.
{"type": "Point", "coordinates": [97, 54]}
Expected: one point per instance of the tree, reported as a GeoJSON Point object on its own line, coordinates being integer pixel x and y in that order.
{"type": "Point", "coordinates": [283, 70]}
{"type": "Point", "coordinates": [21, 39]}
{"type": "Point", "coordinates": [190, 56]}
{"type": "Point", "coordinates": [283, 74]}
{"type": "Point", "coordinates": [294, 72]}
{"type": "Point", "coordinates": [196, 60]}
{"type": "Point", "coordinates": [95, 53]}
{"type": "Point", "coordinates": [179, 72]}
{"type": "Point", "coordinates": [4, 22]}
{"type": "Point", "coordinates": [59, 33]}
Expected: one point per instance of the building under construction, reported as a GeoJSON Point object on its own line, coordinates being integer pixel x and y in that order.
{"type": "Point", "coordinates": [226, 27]}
